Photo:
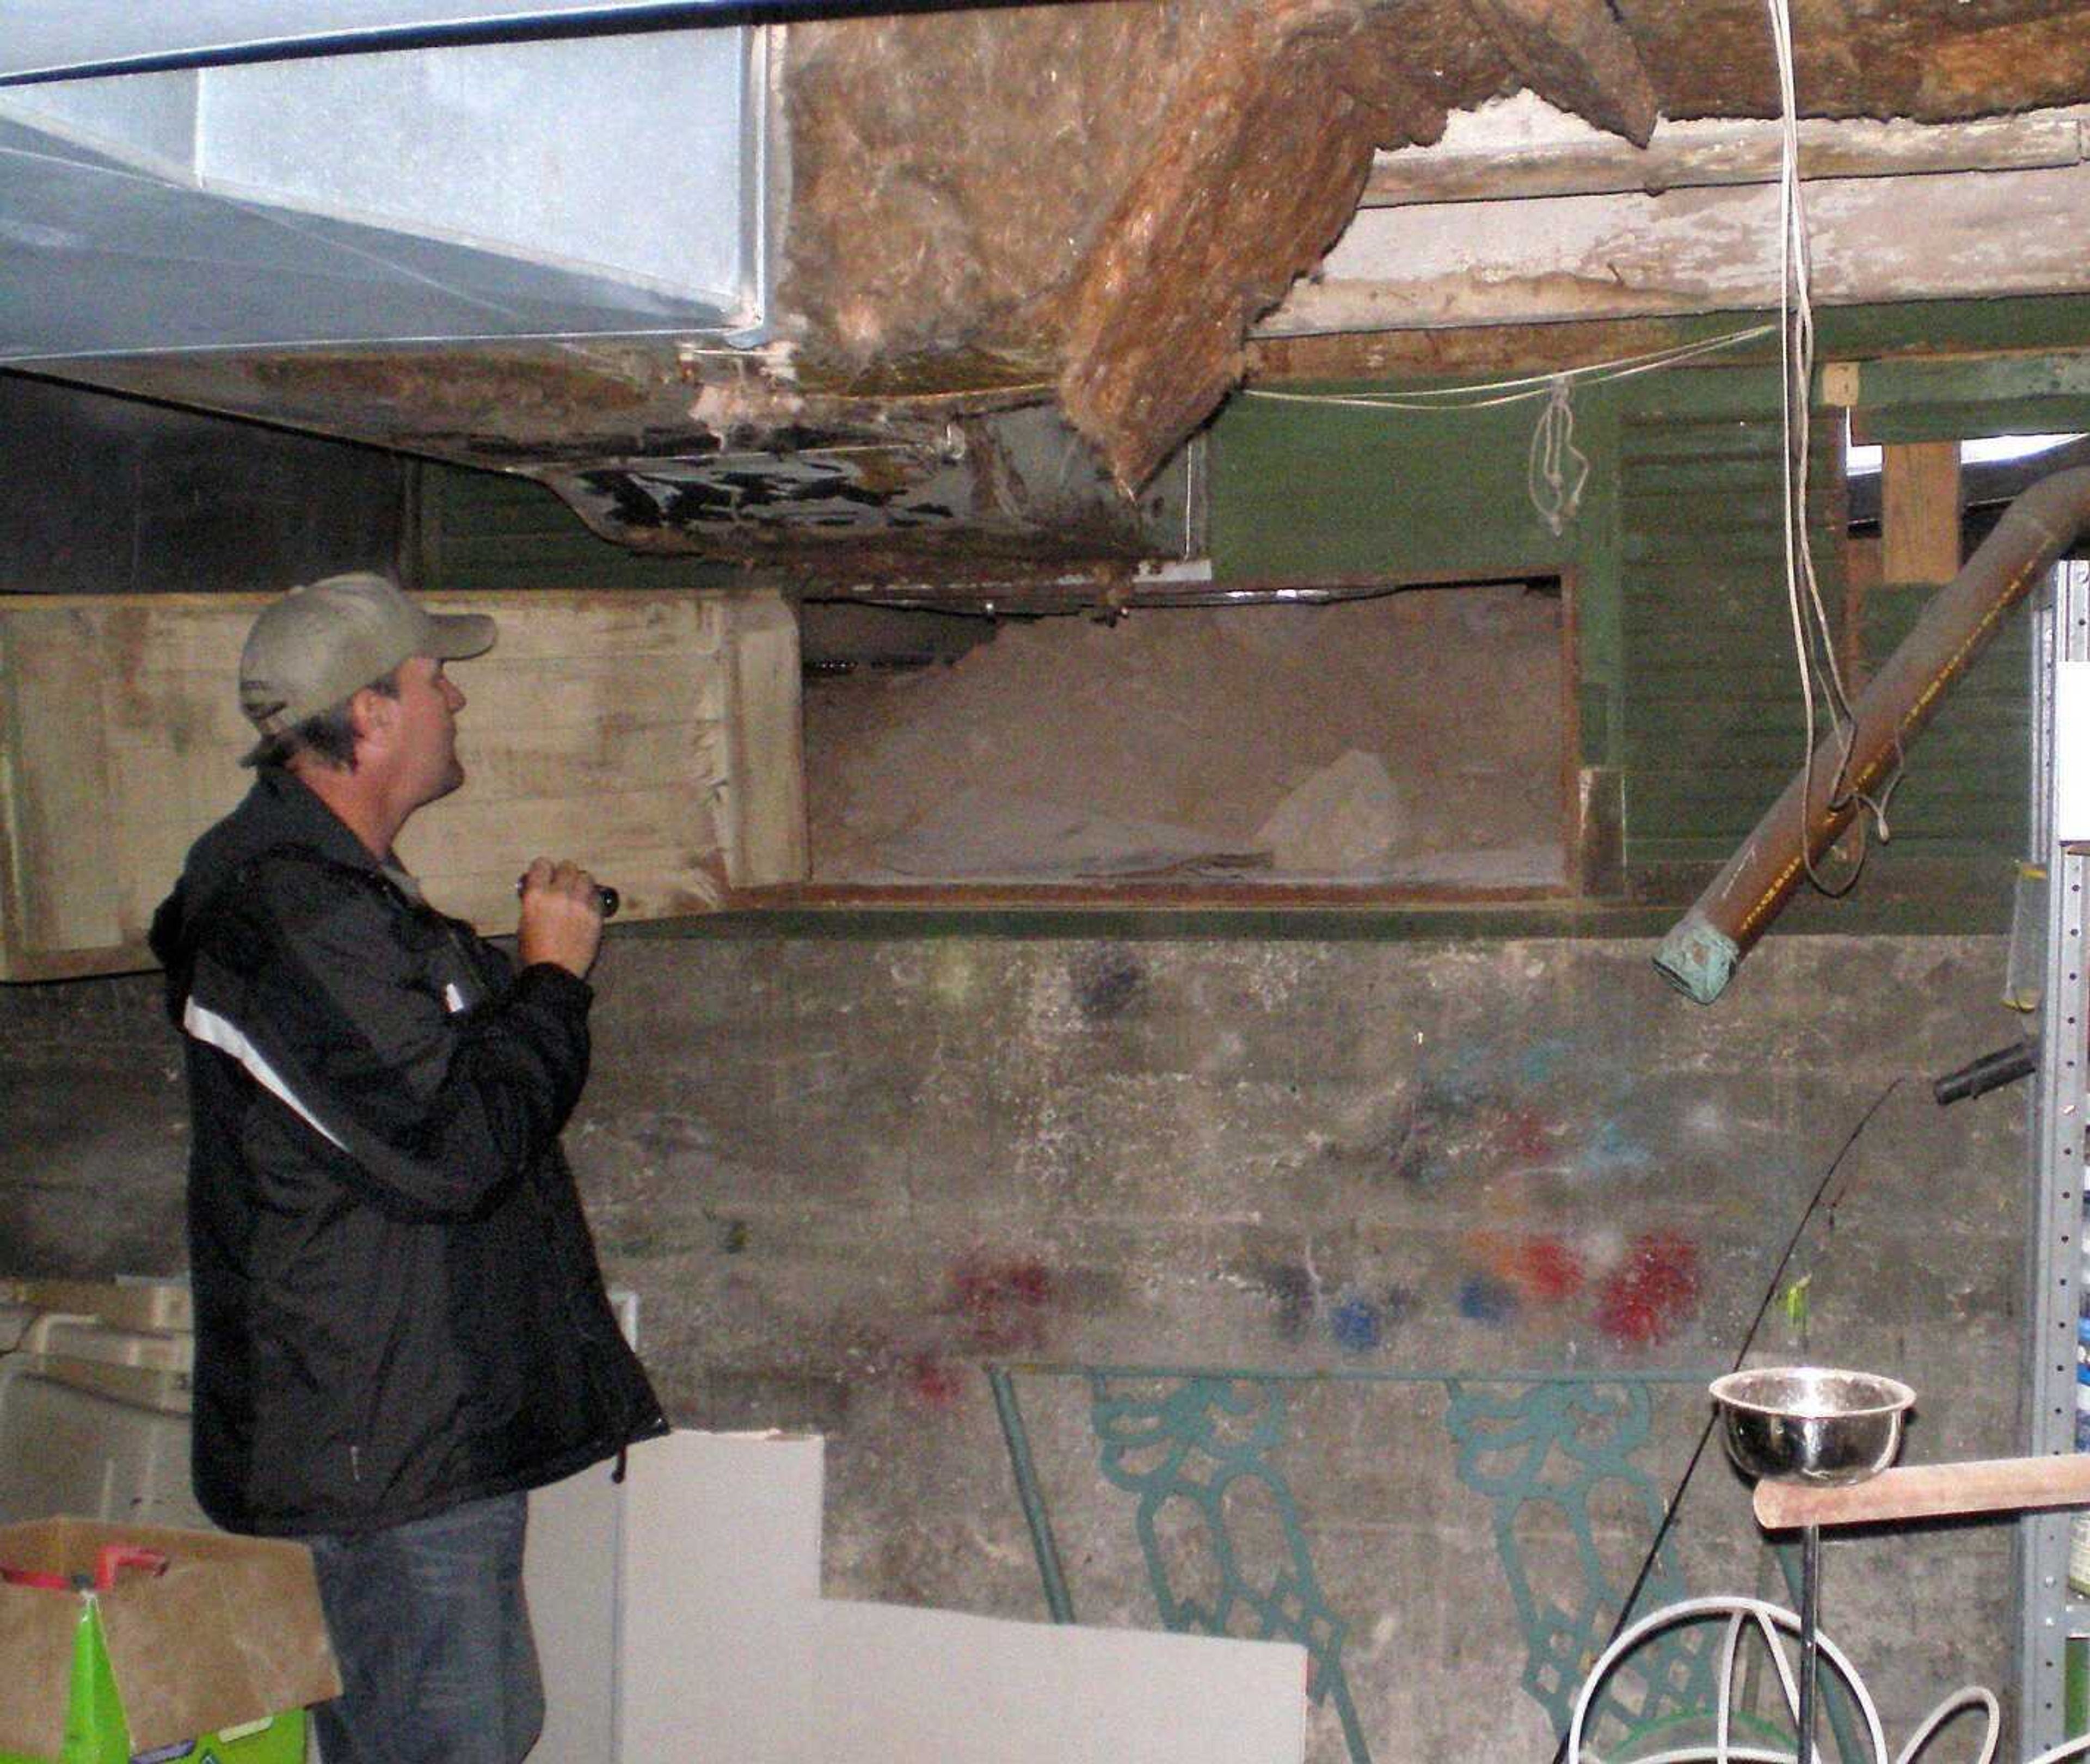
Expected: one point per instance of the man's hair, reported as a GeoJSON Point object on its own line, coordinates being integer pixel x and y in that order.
{"type": "Point", "coordinates": [328, 736]}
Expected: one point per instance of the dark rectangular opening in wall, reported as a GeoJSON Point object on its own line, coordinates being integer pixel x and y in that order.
{"type": "Point", "coordinates": [1400, 744]}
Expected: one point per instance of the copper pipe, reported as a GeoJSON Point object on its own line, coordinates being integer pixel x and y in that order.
{"type": "Point", "coordinates": [1700, 953]}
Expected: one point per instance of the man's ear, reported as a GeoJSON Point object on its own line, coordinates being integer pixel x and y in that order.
{"type": "Point", "coordinates": [373, 715]}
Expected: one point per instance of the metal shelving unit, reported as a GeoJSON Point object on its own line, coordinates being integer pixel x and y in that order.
{"type": "Point", "coordinates": [2060, 1111]}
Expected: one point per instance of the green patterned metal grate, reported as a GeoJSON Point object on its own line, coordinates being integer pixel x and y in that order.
{"type": "Point", "coordinates": [1199, 1449]}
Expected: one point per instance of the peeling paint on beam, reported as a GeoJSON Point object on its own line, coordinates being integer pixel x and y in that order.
{"type": "Point", "coordinates": [1473, 352]}
{"type": "Point", "coordinates": [1912, 330]}
{"type": "Point", "coordinates": [1146, 587]}
{"type": "Point", "coordinates": [1695, 155]}
{"type": "Point", "coordinates": [1624, 256]}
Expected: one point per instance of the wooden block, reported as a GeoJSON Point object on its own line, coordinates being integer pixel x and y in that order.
{"type": "Point", "coordinates": [764, 803]}
{"type": "Point", "coordinates": [660, 883]}
{"type": "Point", "coordinates": [584, 695]}
{"type": "Point", "coordinates": [1930, 1491]}
{"type": "Point", "coordinates": [601, 727]}
{"type": "Point", "coordinates": [198, 633]}
{"type": "Point", "coordinates": [547, 624]}
{"type": "Point", "coordinates": [468, 854]}
{"type": "Point", "coordinates": [511, 764]}
{"type": "Point", "coordinates": [1919, 512]}
{"type": "Point", "coordinates": [63, 874]}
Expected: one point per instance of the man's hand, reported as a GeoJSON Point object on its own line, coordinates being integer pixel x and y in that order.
{"type": "Point", "coordinates": [561, 916]}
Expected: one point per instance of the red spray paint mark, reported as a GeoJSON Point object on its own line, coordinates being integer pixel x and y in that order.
{"type": "Point", "coordinates": [1523, 1137]}
{"type": "Point", "coordinates": [1552, 1270]}
{"type": "Point", "coordinates": [1540, 1271]}
{"type": "Point", "coordinates": [931, 1382]}
{"type": "Point", "coordinates": [1651, 1292]}
{"type": "Point", "coordinates": [1004, 1304]}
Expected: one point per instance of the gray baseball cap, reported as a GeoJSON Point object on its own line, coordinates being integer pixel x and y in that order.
{"type": "Point", "coordinates": [322, 642]}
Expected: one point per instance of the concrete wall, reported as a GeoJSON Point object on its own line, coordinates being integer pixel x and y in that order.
{"type": "Point", "coordinates": [843, 1173]}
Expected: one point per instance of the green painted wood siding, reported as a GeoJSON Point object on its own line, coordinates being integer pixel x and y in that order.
{"type": "Point", "coordinates": [1967, 784]}
{"type": "Point", "coordinates": [1711, 720]}
{"type": "Point", "coordinates": [477, 530]}
{"type": "Point", "coordinates": [1307, 491]}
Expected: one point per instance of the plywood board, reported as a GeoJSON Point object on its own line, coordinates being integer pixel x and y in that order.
{"type": "Point", "coordinates": [603, 727]}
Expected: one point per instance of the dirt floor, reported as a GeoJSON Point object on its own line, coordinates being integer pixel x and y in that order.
{"type": "Point", "coordinates": [1416, 738]}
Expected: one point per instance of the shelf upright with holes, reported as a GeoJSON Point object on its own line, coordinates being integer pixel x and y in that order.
{"type": "Point", "coordinates": [2049, 1614]}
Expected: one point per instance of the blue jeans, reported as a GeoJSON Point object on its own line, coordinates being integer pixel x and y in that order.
{"type": "Point", "coordinates": [438, 1665]}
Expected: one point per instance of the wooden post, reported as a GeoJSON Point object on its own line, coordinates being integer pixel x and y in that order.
{"type": "Point", "coordinates": [1919, 512]}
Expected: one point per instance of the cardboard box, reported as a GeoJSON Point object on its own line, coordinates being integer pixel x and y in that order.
{"type": "Point", "coordinates": [230, 1635]}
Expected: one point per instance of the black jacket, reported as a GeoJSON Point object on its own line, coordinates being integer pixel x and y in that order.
{"type": "Point", "coordinates": [398, 1306]}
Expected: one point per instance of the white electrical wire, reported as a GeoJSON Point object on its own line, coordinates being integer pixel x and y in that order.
{"type": "Point", "coordinates": [1809, 617]}
{"type": "Point", "coordinates": [1557, 471]}
{"type": "Point", "coordinates": [1770, 1621]}
{"type": "Point", "coordinates": [1482, 394]}
{"type": "Point", "coordinates": [1556, 495]}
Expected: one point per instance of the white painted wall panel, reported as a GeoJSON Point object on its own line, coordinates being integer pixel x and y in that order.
{"type": "Point", "coordinates": [729, 1652]}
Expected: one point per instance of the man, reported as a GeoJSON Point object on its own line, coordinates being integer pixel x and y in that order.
{"type": "Point", "coordinates": [400, 1324]}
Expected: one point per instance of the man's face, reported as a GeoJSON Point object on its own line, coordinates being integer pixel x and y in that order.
{"type": "Point", "coordinates": [429, 701]}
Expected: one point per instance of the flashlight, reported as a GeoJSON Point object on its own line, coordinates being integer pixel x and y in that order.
{"type": "Point", "coordinates": [607, 899]}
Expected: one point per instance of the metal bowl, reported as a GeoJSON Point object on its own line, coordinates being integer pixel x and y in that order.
{"type": "Point", "coordinates": [1811, 1423]}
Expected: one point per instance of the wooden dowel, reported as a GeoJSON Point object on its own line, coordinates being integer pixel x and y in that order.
{"type": "Point", "coordinates": [1930, 1491]}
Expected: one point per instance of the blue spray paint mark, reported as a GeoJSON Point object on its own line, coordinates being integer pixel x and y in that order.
{"type": "Point", "coordinates": [1356, 1324]}
{"type": "Point", "coordinates": [1463, 1079]}
{"type": "Point", "coordinates": [1484, 1299]}
{"type": "Point", "coordinates": [1541, 1060]}
{"type": "Point", "coordinates": [1610, 1153]}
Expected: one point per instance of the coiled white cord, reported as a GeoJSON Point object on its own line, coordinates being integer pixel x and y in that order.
{"type": "Point", "coordinates": [1746, 1616]}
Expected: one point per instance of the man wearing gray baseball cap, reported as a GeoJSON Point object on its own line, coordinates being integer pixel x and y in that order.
{"type": "Point", "coordinates": [401, 1327]}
